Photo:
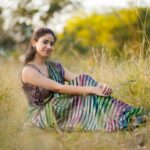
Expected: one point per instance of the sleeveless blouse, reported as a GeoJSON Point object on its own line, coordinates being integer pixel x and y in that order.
{"type": "Point", "coordinates": [36, 96]}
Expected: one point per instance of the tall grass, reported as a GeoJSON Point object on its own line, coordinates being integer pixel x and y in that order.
{"type": "Point", "coordinates": [129, 80]}
{"type": "Point", "coordinates": [12, 103]}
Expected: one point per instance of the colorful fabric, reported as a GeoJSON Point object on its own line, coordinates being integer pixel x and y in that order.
{"type": "Point", "coordinates": [90, 112]}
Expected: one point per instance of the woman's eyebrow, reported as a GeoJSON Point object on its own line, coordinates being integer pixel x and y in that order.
{"type": "Point", "coordinates": [48, 40]}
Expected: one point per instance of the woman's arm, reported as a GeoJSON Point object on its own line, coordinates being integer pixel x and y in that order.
{"type": "Point", "coordinates": [30, 75]}
{"type": "Point", "coordinates": [70, 76]}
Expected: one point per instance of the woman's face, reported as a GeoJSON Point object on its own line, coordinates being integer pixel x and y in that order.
{"type": "Point", "coordinates": [44, 45]}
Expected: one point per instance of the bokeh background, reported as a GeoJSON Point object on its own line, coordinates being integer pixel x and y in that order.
{"type": "Point", "coordinates": [109, 40]}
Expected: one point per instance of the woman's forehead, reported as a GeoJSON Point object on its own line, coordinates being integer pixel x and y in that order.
{"type": "Point", "coordinates": [48, 37]}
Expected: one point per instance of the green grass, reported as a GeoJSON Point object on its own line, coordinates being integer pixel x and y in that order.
{"type": "Point", "coordinates": [129, 80]}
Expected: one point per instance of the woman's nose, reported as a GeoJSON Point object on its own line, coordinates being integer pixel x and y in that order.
{"type": "Point", "coordinates": [49, 46]}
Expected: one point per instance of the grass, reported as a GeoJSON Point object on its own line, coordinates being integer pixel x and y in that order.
{"type": "Point", "coordinates": [130, 81]}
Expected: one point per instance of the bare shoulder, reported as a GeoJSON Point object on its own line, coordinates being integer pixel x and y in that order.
{"type": "Point", "coordinates": [28, 72]}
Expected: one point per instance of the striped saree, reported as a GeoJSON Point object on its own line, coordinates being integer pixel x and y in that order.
{"type": "Point", "coordinates": [83, 112]}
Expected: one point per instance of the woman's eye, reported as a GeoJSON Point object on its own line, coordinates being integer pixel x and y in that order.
{"type": "Point", "coordinates": [45, 42]}
{"type": "Point", "coordinates": [52, 43]}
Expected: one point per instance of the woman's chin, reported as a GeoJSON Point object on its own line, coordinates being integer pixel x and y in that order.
{"type": "Point", "coordinates": [46, 55]}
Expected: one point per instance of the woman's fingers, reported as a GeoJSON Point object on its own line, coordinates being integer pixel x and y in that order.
{"type": "Point", "coordinates": [98, 91]}
{"type": "Point", "coordinates": [103, 90]}
{"type": "Point", "coordinates": [109, 91]}
{"type": "Point", "coordinates": [106, 90]}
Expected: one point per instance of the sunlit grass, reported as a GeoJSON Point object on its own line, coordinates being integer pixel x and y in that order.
{"type": "Point", "coordinates": [129, 80]}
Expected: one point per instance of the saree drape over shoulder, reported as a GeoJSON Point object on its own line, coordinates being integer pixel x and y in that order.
{"type": "Point", "coordinates": [91, 112]}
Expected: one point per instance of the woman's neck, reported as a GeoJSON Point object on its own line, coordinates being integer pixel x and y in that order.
{"type": "Point", "coordinates": [39, 61]}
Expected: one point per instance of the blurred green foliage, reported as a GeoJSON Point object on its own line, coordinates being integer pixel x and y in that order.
{"type": "Point", "coordinates": [6, 41]}
{"type": "Point", "coordinates": [20, 18]}
{"type": "Point", "coordinates": [112, 31]}
{"type": "Point", "coordinates": [124, 32]}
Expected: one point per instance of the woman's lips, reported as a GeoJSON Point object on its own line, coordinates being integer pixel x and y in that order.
{"type": "Point", "coordinates": [47, 51]}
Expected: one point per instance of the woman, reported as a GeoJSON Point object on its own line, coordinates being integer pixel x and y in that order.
{"type": "Point", "coordinates": [81, 103]}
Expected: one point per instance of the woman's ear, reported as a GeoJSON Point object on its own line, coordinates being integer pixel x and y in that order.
{"type": "Point", "coordinates": [33, 42]}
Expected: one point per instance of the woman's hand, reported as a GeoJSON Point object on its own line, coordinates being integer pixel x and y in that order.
{"type": "Point", "coordinates": [102, 90]}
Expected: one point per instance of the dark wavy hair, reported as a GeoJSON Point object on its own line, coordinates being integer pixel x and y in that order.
{"type": "Point", "coordinates": [35, 36]}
